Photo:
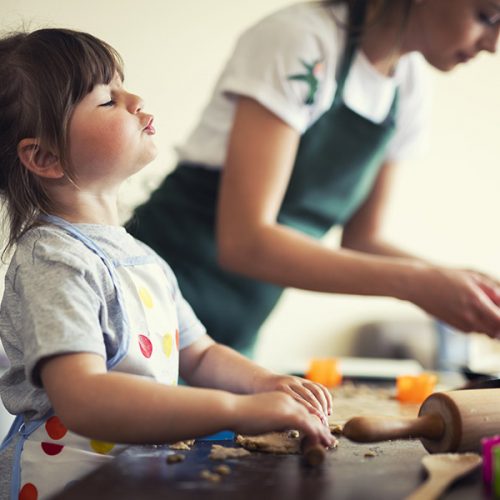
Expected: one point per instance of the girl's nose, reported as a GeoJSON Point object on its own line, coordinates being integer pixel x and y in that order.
{"type": "Point", "coordinates": [490, 41]}
{"type": "Point", "coordinates": [135, 104]}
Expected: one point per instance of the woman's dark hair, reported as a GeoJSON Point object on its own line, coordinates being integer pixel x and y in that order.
{"type": "Point", "coordinates": [383, 8]}
{"type": "Point", "coordinates": [43, 76]}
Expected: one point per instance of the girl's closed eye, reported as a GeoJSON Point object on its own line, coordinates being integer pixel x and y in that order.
{"type": "Point", "coordinates": [110, 102]}
{"type": "Point", "coordinates": [489, 20]}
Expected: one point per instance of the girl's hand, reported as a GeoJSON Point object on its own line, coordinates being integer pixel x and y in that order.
{"type": "Point", "coordinates": [314, 397]}
{"type": "Point", "coordinates": [467, 300]}
{"type": "Point", "coordinates": [277, 411]}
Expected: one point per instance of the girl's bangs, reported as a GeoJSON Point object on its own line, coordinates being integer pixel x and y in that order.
{"type": "Point", "coordinates": [94, 62]}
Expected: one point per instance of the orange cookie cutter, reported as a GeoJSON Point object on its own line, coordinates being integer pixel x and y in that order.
{"type": "Point", "coordinates": [325, 371]}
{"type": "Point", "coordinates": [415, 388]}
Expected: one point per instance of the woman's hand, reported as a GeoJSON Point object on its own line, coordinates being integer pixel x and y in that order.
{"type": "Point", "coordinates": [277, 411]}
{"type": "Point", "coordinates": [467, 300]}
{"type": "Point", "coordinates": [314, 397]}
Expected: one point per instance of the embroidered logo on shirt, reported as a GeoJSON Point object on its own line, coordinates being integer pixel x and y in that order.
{"type": "Point", "coordinates": [313, 71]}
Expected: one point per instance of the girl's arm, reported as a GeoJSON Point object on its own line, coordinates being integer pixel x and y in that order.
{"type": "Point", "coordinates": [260, 159]}
{"type": "Point", "coordinates": [125, 408]}
{"type": "Point", "coordinates": [208, 364]}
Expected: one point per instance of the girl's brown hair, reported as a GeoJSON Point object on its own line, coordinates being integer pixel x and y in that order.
{"type": "Point", "coordinates": [43, 76]}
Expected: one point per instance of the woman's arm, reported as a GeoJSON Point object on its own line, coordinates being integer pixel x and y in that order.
{"type": "Point", "coordinates": [125, 408]}
{"type": "Point", "coordinates": [466, 299]}
{"type": "Point", "coordinates": [363, 231]}
{"type": "Point", "coordinates": [260, 159]}
{"type": "Point", "coordinates": [250, 240]}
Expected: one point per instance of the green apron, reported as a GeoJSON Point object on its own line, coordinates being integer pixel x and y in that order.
{"type": "Point", "coordinates": [337, 163]}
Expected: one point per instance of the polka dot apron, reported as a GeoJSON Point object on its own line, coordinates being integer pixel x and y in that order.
{"type": "Point", "coordinates": [48, 456]}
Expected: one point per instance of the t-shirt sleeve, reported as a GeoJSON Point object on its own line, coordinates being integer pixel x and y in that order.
{"type": "Point", "coordinates": [412, 136]}
{"type": "Point", "coordinates": [282, 66]}
{"type": "Point", "coordinates": [61, 305]}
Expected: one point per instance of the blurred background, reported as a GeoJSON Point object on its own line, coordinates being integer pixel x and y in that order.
{"type": "Point", "coordinates": [445, 206]}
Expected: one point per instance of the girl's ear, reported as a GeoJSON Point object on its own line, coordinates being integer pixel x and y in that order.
{"type": "Point", "coordinates": [39, 160]}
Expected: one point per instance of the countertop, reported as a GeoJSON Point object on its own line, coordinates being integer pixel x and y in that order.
{"type": "Point", "coordinates": [389, 470]}
{"type": "Point", "coordinates": [393, 472]}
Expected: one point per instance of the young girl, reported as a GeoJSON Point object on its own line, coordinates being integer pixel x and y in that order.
{"type": "Point", "coordinates": [93, 322]}
{"type": "Point", "coordinates": [309, 119]}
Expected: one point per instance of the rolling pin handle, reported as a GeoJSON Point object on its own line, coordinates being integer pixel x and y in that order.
{"type": "Point", "coordinates": [373, 429]}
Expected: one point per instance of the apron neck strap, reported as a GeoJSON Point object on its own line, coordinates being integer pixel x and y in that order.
{"type": "Point", "coordinates": [357, 13]}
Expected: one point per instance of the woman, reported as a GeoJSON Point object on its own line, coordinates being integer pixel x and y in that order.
{"type": "Point", "coordinates": [315, 108]}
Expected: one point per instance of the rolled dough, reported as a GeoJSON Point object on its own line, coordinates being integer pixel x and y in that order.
{"type": "Point", "coordinates": [219, 452]}
{"type": "Point", "coordinates": [279, 443]}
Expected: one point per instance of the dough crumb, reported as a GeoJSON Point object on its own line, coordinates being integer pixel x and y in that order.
{"type": "Point", "coordinates": [223, 469]}
{"type": "Point", "coordinates": [294, 434]}
{"type": "Point", "coordinates": [336, 429]}
{"type": "Point", "coordinates": [371, 454]}
{"type": "Point", "coordinates": [182, 445]}
{"type": "Point", "coordinates": [175, 458]}
{"type": "Point", "coordinates": [210, 476]}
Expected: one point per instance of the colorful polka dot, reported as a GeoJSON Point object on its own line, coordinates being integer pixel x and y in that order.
{"type": "Point", "coordinates": [167, 344]}
{"type": "Point", "coordinates": [177, 339]}
{"type": "Point", "coordinates": [55, 428]}
{"type": "Point", "coordinates": [52, 448]}
{"type": "Point", "coordinates": [101, 446]}
{"type": "Point", "coordinates": [146, 298]}
{"type": "Point", "coordinates": [28, 492]}
{"type": "Point", "coordinates": [146, 346]}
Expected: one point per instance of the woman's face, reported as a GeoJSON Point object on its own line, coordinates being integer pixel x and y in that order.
{"type": "Point", "coordinates": [450, 32]}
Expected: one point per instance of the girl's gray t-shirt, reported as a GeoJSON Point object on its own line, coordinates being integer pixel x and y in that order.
{"type": "Point", "coordinates": [59, 298]}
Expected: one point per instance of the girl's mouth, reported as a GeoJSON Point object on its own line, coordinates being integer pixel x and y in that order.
{"type": "Point", "coordinates": [149, 128]}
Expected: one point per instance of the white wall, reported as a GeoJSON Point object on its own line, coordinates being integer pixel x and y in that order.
{"type": "Point", "coordinates": [445, 206]}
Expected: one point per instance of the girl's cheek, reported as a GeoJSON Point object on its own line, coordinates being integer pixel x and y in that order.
{"type": "Point", "coordinates": [119, 130]}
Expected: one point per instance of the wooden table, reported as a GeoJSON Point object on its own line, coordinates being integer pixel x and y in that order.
{"type": "Point", "coordinates": [348, 473]}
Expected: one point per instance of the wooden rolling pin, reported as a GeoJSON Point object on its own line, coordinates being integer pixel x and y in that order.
{"type": "Point", "coordinates": [448, 422]}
